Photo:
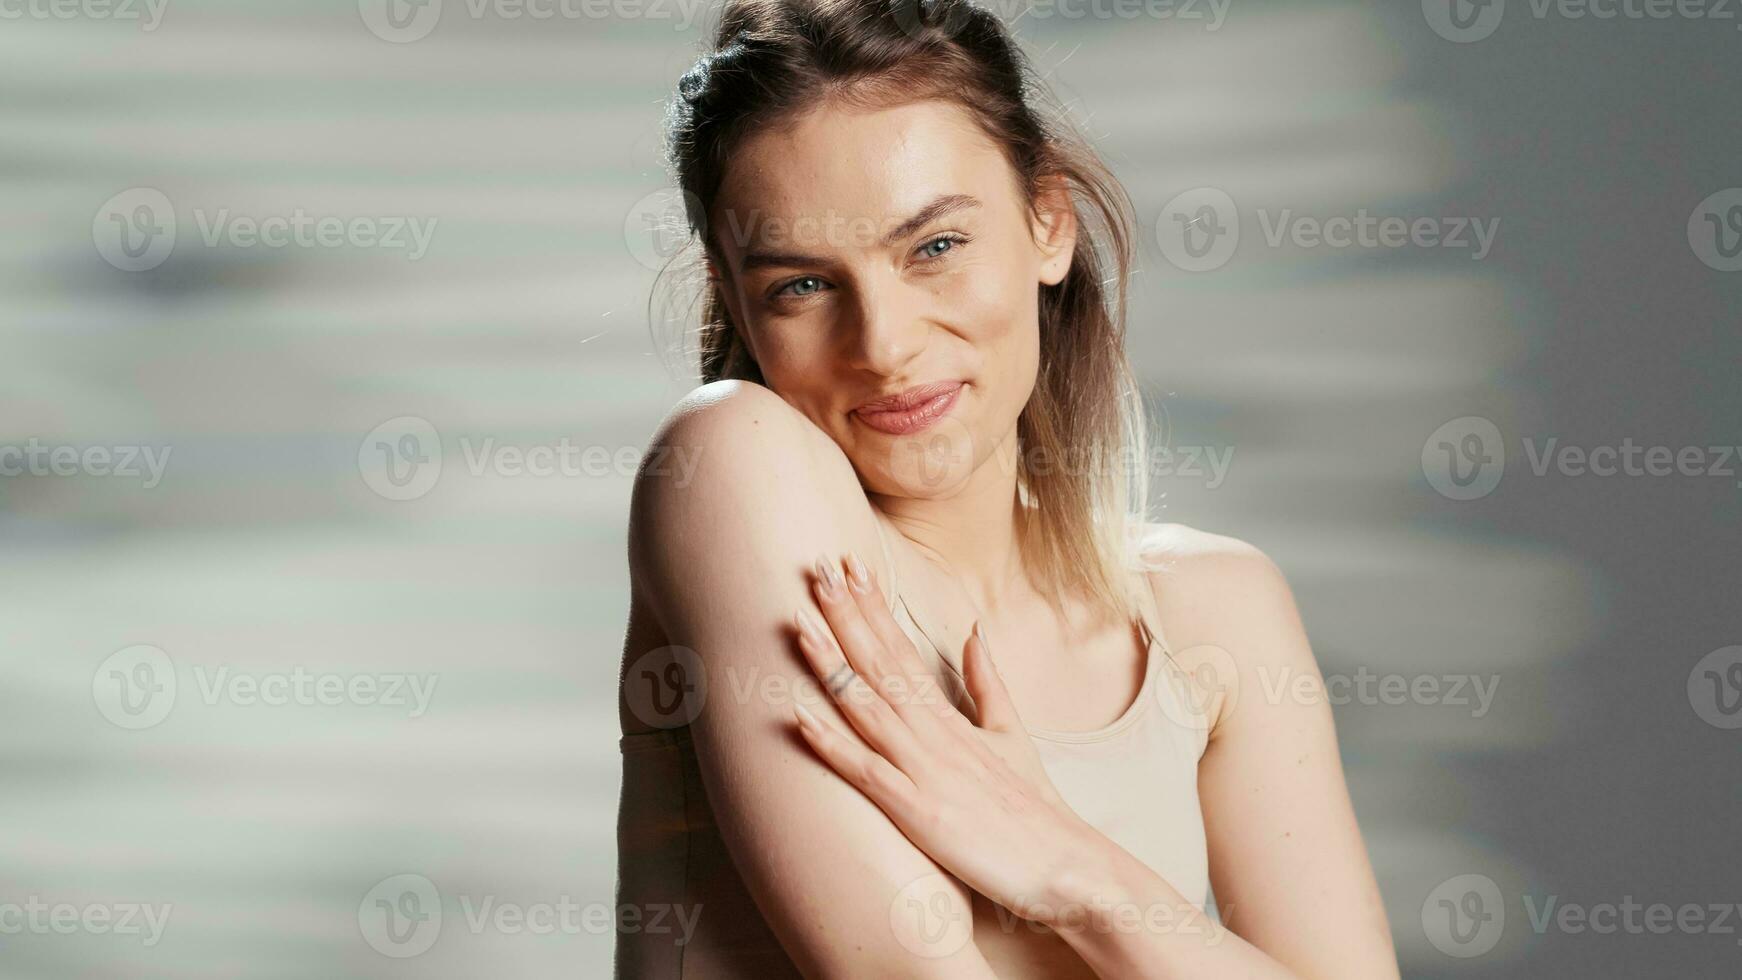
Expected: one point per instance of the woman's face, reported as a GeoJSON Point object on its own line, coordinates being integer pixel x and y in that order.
{"type": "Point", "coordinates": [865, 253]}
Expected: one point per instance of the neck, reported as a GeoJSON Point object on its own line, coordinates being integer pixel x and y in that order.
{"type": "Point", "coordinates": [970, 534]}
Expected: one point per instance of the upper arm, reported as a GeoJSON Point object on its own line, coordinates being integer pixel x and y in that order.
{"type": "Point", "coordinates": [1287, 863]}
{"type": "Point", "coordinates": [722, 557]}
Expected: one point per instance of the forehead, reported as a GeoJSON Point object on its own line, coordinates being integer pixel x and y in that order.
{"type": "Point", "coordinates": [882, 164]}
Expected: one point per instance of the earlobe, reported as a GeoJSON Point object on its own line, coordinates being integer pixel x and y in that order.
{"type": "Point", "coordinates": [1056, 231]}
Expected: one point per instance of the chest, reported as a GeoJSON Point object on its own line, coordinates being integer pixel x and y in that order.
{"type": "Point", "coordinates": [1061, 678]}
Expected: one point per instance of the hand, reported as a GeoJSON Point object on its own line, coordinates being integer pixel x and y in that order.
{"type": "Point", "coordinates": [971, 793]}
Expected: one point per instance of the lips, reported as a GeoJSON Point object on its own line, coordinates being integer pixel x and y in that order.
{"type": "Point", "coordinates": [911, 410]}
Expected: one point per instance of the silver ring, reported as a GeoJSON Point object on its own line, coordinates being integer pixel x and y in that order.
{"type": "Point", "coordinates": [838, 680]}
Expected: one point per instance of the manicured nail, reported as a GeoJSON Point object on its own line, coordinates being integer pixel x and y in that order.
{"type": "Point", "coordinates": [829, 579]}
{"type": "Point", "coordinates": [857, 574]}
{"type": "Point", "coordinates": [980, 632]}
{"type": "Point", "coordinates": [807, 627]}
{"type": "Point", "coordinates": [805, 718]}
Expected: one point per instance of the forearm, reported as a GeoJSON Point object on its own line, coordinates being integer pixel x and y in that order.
{"type": "Point", "coordinates": [1125, 920]}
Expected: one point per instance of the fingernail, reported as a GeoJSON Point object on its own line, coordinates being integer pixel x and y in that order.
{"type": "Point", "coordinates": [856, 573]}
{"type": "Point", "coordinates": [806, 625]}
{"type": "Point", "coordinates": [805, 718]}
{"type": "Point", "coordinates": [827, 577]}
{"type": "Point", "coordinates": [980, 632]}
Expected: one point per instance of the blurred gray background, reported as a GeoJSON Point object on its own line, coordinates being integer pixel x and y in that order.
{"type": "Point", "coordinates": [386, 464]}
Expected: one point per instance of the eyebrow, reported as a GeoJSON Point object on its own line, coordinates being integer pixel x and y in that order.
{"type": "Point", "coordinates": [940, 206]}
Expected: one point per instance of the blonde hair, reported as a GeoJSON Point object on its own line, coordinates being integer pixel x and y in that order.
{"type": "Point", "coordinates": [1082, 477]}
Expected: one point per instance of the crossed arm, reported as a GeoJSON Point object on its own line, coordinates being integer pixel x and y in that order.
{"type": "Point", "coordinates": [724, 561]}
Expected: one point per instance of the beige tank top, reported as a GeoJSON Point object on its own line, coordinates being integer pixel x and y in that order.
{"type": "Point", "coordinates": [1135, 780]}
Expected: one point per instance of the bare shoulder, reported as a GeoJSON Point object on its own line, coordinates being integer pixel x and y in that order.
{"type": "Point", "coordinates": [736, 415]}
{"type": "Point", "coordinates": [735, 438]}
{"type": "Point", "coordinates": [1214, 573]}
{"type": "Point", "coordinates": [735, 474]}
{"type": "Point", "coordinates": [1226, 609]}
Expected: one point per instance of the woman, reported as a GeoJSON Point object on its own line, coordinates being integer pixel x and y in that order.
{"type": "Point", "coordinates": [912, 451]}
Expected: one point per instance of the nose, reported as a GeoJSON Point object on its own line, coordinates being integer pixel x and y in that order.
{"type": "Point", "coordinates": [891, 328]}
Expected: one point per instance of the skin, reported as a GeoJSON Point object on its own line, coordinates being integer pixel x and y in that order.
{"type": "Point", "coordinates": [901, 790]}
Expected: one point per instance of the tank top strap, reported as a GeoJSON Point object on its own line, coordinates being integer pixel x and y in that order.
{"type": "Point", "coordinates": [891, 588]}
{"type": "Point", "coordinates": [1173, 683]}
{"type": "Point", "coordinates": [1148, 613]}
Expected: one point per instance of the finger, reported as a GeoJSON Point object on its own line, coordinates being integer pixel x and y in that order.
{"type": "Point", "coordinates": [866, 710]}
{"type": "Point", "coordinates": [915, 696]}
{"type": "Point", "coordinates": [996, 710]}
{"type": "Point", "coordinates": [874, 606]}
{"type": "Point", "coordinates": [863, 647]}
{"type": "Point", "coordinates": [872, 774]}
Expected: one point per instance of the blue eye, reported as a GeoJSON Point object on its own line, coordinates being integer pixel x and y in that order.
{"type": "Point", "coordinates": [793, 287]}
{"type": "Point", "coordinates": [939, 246]}
{"type": "Point", "coordinates": [949, 242]}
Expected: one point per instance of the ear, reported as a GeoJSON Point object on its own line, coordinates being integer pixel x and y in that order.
{"type": "Point", "coordinates": [1055, 230]}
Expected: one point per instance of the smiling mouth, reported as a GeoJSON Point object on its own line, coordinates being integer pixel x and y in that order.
{"type": "Point", "coordinates": [911, 411]}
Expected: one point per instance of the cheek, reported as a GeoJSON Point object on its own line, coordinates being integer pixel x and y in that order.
{"type": "Point", "coordinates": [997, 311]}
